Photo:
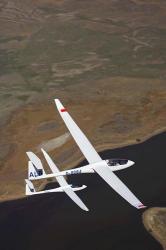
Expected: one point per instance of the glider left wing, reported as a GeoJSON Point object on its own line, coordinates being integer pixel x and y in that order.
{"type": "Point", "coordinates": [62, 182]}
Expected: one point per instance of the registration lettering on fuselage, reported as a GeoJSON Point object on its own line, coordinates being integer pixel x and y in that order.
{"type": "Point", "coordinates": [74, 172]}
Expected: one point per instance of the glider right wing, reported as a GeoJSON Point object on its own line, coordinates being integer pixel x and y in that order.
{"type": "Point", "coordinates": [62, 182]}
{"type": "Point", "coordinates": [82, 141]}
{"type": "Point", "coordinates": [119, 187]}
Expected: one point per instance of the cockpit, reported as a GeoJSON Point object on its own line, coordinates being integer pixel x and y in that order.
{"type": "Point", "coordinates": [115, 162]}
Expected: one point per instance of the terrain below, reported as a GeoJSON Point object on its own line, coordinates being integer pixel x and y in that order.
{"type": "Point", "coordinates": [105, 61]}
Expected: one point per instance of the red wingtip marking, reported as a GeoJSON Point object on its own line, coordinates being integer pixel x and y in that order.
{"type": "Point", "coordinates": [142, 206]}
{"type": "Point", "coordinates": [63, 110]}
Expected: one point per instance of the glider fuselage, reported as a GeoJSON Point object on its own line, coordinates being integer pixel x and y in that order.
{"type": "Point", "coordinates": [114, 165]}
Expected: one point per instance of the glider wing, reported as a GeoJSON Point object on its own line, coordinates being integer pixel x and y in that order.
{"type": "Point", "coordinates": [62, 182]}
{"type": "Point", "coordinates": [82, 141]}
{"type": "Point", "coordinates": [119, 187]}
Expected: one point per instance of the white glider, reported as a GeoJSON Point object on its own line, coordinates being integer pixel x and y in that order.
{"type": "Point", "coordinates": [35, 169]}
{"type": "Point", "coordinates": [104, 168]}
{"type": "Point", "coordinates": [30, 189]}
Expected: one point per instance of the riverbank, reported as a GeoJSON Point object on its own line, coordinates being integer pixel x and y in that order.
{"type": "Point", "coordinates": [74, 162]}
{"type": "Point", "coordinates": [154, 220]}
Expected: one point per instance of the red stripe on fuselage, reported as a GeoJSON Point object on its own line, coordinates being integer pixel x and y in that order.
{"type": "Point", "coordinates": [64, 110]}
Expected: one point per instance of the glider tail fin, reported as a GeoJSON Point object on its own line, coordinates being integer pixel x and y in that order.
{"type": "Point", "coordinates": [36, 166]}
{"type": "Point", "coordinates": [33, 171]}
{"type": "Point", "coordinates": [29, 188]}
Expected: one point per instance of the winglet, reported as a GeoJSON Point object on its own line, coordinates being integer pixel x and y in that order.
{"type": "Point", "coordinates": [141, 206]}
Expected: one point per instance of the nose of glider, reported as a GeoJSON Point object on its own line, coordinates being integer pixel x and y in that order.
{"type": "Point", "coordinates": [131, 163]}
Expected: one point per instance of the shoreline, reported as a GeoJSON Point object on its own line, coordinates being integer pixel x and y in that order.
{"type": "Point", "coordinates": [100, 148]}
{"type": "Point", "coordinates": [148, 221]}
{"type": "Point", "coordinates": [109, 146]}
